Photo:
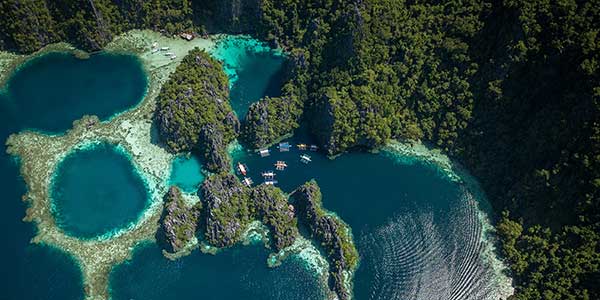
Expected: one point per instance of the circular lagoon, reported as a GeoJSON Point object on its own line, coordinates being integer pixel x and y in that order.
{"type": "Point", "coordinates": [51, 91]}
{"type": "Point", "coordinates": [96, 190]}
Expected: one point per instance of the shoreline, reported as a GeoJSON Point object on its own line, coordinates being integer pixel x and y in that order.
{"type": "Point", "coordinates": [39, 154]}
{"type": "Point", "coordinates": [415, 152]}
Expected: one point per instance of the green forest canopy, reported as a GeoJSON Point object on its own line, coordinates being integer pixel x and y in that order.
{"type": "Point", "coordinates": [509, 88]}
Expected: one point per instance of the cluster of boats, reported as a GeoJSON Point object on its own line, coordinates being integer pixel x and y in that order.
{"type": "Point", "coordinates": [155, 49]}
{"type": "Point", "coordinates": [280, 165]}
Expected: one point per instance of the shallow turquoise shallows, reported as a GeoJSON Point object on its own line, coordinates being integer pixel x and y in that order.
{"type": "Point", "coordinates": [49, 92]}
{"type": "Point", "coordinates": [96, 191]}
{"type": "Point", "coordinates": [254, 70]}
{"type": "Point", "coordinates": [418, 233]}
{"type": "Point", "coordinates": [186, 173]}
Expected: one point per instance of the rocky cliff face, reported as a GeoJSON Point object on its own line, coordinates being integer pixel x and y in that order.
{"type": "Point", "coordinates": [333, 234]}
{"type": "Point", "coordinates": [178, 222]}
{"type": "Point", "coordinates": [227, 210]}
{"type": "Point", "coordinates": [193, 112]}
{"type": "Point", "coordinates": [269, 119]}
{"type": "Point", "coordinates": [273, 209]}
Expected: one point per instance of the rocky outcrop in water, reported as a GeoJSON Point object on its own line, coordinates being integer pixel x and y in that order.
{"type": "Point", "coordinates": [193, 111]}
{"type": "Point", "coordinates": [178, 222]}
{"type": "Point", "coordinates": [273, 209]}
{"type": "Point", "coordinates": [227, 210]}
{"type": "Point", "coordinates": [332, 233]}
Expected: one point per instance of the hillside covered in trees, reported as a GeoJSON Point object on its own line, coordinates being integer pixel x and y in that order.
{"type": "Point", "coordinates": [510, 88]}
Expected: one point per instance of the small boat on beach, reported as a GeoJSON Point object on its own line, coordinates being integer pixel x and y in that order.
{"type": "Point", "coordinates": [164, 48]}
{"type": "Point", "coordinates": [242, 168]}
{"type": "Point", "coordinates": [305, 158]}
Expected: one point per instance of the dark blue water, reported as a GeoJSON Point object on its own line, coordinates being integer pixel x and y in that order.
{"type": "Point", "coordinates": [96, 191]}
{"type": "Point", "coordinates": [236, 273]}
{"type": "Point", "coordinates": [254, 70]}
{"type": "Point", "coordinates": [417, 232]}
{"type": "Point", "coordinates": [49, 92]}
{"type": "Point", "coordinates": [33, 100]}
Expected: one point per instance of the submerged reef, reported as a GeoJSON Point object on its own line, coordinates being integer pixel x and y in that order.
{"type": "Point", "coordinates": [178, 222]}
{"type": "Point", "coordinates": [333, 234]}
{"type": "Point", "coordinates": [194, 113]}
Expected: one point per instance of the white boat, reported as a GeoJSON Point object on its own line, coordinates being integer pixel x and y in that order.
{"type": "Point", "coordinates": [173, 57]}
{"type": "Point", "coordinates": [169, 54]}
{"type": "Point", "coordinates": [305, 158]}
{"type": "Point", "coordinates": [155, 44]}
{"type": "Point", "coordinates": [164, 48]}
{"type": "Point", "coordinates": [268, 174]}
{"type": "Point", "coordinates": [247, 181]}
{"type": "Point", "coordinates": [154, 50]}
{"type": "Point", "coordinates": [270, 182]}
{"type": "Point", "coordinates": [242, 168]}
{"type": "Point", "coordinates": [264, 152]}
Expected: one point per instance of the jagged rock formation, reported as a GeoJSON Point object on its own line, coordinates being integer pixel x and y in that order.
{"type": "Point", "coordinates": [227, 211]}
{"type": "Point", "coordinates": [272, 208]}
{"type": "Point", "coordinates": [178, 222]}
{"type": "Point", "coordinates": [333, 234]}
{"type": "Point", "coordinates": [270, 119]}
{"type": "Point", "coordinates": [193, 112]}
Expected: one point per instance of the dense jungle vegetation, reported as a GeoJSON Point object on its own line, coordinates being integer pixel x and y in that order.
{"type": "Point", "coordinates": [510, 88]}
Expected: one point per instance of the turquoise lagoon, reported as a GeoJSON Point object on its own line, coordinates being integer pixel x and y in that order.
{"type": "Point", "coordinates": [186, 173]}
{"type": "Point", "coordinates": [48, 93]}
{"type": "Point", "coordinates": [254, 70]}
{"type": "Point", "coordinates": [418, 232]}
{"type": "Point", "coordinates": [96, 191]}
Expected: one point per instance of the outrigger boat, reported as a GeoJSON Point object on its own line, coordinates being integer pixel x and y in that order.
{"type": "Point", "coordinates": [301, 146]}
{"type": "Point", "coordinates": [264, 152]}
{"type": "Point", "coordinates": [268, 175]}
{"type": "Point", "coordinates": [280, 165]}
{"type": "Point", "coordinates": [284, 147]}
{"type": "Point", "coordinates": [247, 181]}
{"type": "Point", "coordinates": [242, 168]}
{"type": "Point", "coordinates": [305, 158]}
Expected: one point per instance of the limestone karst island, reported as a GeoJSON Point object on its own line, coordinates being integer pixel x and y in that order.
{"type": "Point", "coordinates": [300, 149]}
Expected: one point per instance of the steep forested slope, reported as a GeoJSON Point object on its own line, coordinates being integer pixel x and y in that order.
{"type": "Point", "coordinates": [510, 88]}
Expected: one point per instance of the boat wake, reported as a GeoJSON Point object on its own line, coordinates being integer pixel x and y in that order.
{"type": "Point", "coordinates": [414, 257]}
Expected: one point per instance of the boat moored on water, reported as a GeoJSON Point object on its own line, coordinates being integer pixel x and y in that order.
{"type": "Point", "coordinates": [280, 165]}
{"type": "Point", "coordinates": [242, 169]}
{"type": "Point", "coordinates": [264, 152]}
{"type": "Point", "coordinates": [301, 146]}
{"type": "Point", "coordinates": [284, 147]}
{"type": "Point", "coordinates": [247, 181]}
{"type": "Point", "coordinates": [314, 148]}
{"type": "Point", "coordinates": [268, 175]}
{"type": "Point", "coordinates": [305, 158]}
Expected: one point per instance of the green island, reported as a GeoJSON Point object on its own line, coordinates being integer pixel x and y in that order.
{"type": "Point", "coordinates": [509, 90]}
